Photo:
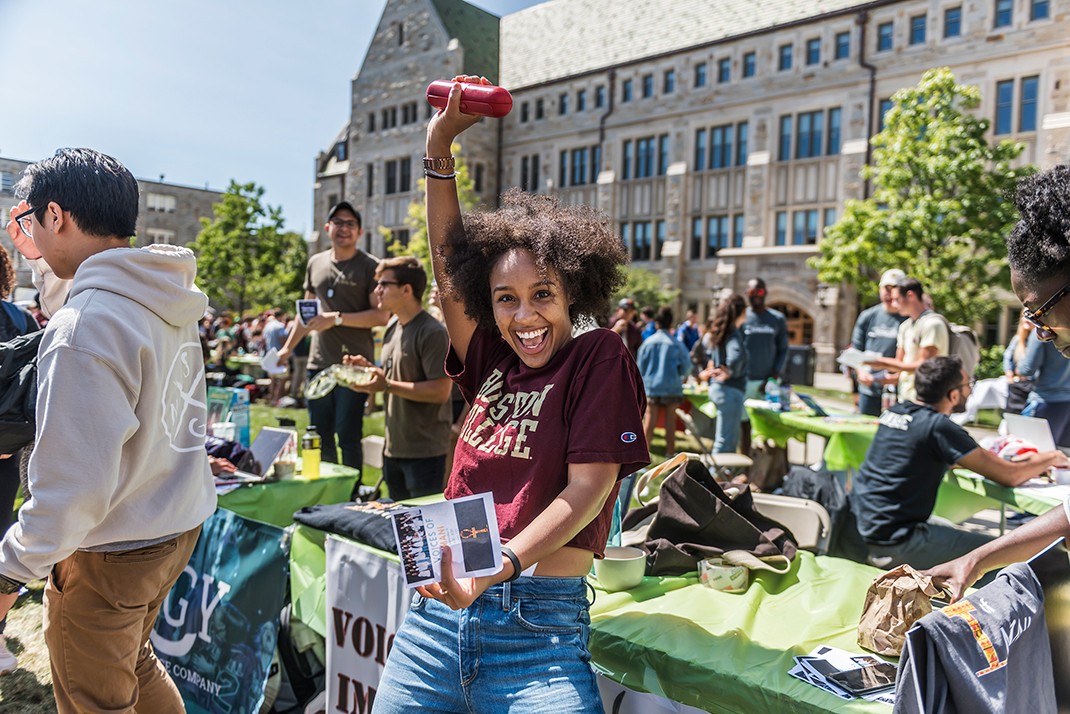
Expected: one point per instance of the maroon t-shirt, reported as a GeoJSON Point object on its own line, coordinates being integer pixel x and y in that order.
{"type": "Point", "coordinates": [527, 425]}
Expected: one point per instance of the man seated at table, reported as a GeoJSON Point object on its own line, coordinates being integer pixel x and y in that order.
{"type": "Point", "coordinates": [916, 442]}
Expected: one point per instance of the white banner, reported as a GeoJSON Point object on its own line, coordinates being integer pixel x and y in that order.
{"type": "Point", "coordinates": [366, 603]}
{"type": "Point", "coordinates": [618, 699]}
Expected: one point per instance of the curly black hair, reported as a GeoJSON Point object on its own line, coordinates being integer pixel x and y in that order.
{"type": "Point", "coordinates": [7, 273]}
{"type": "Point", "coordinates": [574, 241]}
{"type": "Point", "coordinates": [1039, 246]}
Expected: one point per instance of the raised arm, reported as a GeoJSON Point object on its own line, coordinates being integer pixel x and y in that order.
{"type": "Point", "coordinates": [444, 209]}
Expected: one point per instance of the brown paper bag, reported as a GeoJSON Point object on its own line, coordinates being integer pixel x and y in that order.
{"type": "Point", "coordinates": [895, 601]}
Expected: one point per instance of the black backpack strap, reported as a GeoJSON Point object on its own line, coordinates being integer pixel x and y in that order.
{"type": "Point", "coordinates": [301, 680]}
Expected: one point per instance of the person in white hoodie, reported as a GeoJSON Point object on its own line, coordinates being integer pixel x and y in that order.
{"type": "Point", "coordinates": [119, 478]}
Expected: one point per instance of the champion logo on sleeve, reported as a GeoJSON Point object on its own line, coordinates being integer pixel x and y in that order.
{"type": "Point", "coordinates": [628, 437]}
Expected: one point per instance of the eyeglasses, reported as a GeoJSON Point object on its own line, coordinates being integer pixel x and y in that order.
{"type": "Point", "coordinates": [344, 224]}
{"type": "Point", "coordinates": [24, 222]}
{"type": "Point", "coordinates": [384, 283]}
{"type": "Point", "coordinates": [969, 384]}
{"type": "Point", "coordinates": [1044, 332]}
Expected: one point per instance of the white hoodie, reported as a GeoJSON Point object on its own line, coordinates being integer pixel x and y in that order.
{"type": "Point", "coordinates": [121, 415]}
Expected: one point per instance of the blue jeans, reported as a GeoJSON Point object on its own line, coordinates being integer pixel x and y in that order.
{"type": "Point", "coordinates": [412, 478]}
{"type": "Point", "coordinates": [729, 403]}
{"type": "Point", "coordinates": [869, 404]}
{"type": "Point", "coordinates": [520, 647]}
{"type": "Point", "coordinates": [339, 414]}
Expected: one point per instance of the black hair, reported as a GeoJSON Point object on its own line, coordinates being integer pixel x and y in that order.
{"type": "Point", "coordinates": [99, 192]}
{"type": "Point", "coordinates": [648, 312]}
{"type": "Point", "coordinates": [910, 285]}
{"type": "Point", "coordinates": [576, 242]}
{"type": "Point", "coordinates": [1038, 248]}
{"type": "Point", "coordinates": [407, 270]}
{"type": "Point", "coordinates": [937, 376]}
{"type": "Point", "coordinates": [664, 318]}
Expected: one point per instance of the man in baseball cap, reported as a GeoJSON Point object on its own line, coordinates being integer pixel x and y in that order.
{"type": "Point", "coordinates": [876, 330]}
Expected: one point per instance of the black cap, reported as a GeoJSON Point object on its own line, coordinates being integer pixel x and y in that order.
{"type": "Point", "coordinates": [347, 206]}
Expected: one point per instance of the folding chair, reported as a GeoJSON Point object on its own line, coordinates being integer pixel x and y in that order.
{"type": "Point", "coordinates": [807, 520]}
{"type": "Point", "coordinates": [726, 465]}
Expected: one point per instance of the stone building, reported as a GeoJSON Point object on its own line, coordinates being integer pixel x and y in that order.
{"type": "Point", "coordinates": [720, 137]}
{"type": "Point", "coordinates": [167, 212]}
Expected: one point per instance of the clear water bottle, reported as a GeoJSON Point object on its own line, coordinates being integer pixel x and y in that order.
{"type": "Point", "coordinates": [785, 396]}
{"type": "Point", "coordinates": [772, 392]}
{"type": "Point", "coordinates": [889, 397]}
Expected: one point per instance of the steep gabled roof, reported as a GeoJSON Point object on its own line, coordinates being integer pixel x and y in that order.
{"type": "Point", "coordinates": [565, 37]}
{"type": "Point", "coordinates": [477, 31]}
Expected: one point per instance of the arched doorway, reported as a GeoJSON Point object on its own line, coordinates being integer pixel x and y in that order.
{"type": "Point", "coordinates": [800, 324]}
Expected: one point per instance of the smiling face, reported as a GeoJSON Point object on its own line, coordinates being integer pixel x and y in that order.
{"type": "Point", "coordinates": [530, 308]}
{"type": "Point", "coordinates": [1034, 294]}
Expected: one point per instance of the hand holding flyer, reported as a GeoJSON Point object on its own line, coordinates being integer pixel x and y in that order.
{"type": "Point", "coordinates": [467, 525]}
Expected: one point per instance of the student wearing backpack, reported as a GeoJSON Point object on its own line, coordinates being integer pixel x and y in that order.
{"type": "Point", "coordinates": [924, 334]}
{"type": "Point", "coordinates": [117, 503]}
{"type": "Point", "coordinates": [14, 321]}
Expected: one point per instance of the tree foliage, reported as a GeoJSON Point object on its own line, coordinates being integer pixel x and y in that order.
{"type": "Point", "coordinates": [645, 288]}
{"type": "Point", "coordinates": [246, 260]}
{"type": "Point", "coordinates": [941, 203]}
{"type": "Point", "coordinates": [416, 219]}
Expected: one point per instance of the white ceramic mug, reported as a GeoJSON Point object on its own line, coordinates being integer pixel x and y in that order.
{"type": "Point", "coordinates": [622, 568]}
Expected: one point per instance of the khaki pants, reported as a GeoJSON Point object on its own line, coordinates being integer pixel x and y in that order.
{"type": "Point", "coordinates": [99, 610]}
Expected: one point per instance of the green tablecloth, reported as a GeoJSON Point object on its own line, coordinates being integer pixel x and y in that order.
{"type": "Point", "coordinates": [848, 436]}
{"type": "Point", "coordinates": [682, 641]}
{"type": "Point", "coordinates": [964, 493]}
{"type": "Point", "coordinates": [308, 570]}
{"type": "Point", "coordinates": [276, 502]}
{"type": "Point", "coordinates": [731, 653]}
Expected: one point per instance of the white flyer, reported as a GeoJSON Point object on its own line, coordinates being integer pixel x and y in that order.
{"type": "Point", "coordinates": [467, 525]}
{"type": "Point", "coordinates": [855, 359]}
{"type": "Point", "coordinates": [270, 362]}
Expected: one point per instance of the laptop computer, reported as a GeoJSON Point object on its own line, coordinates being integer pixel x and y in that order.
{"type": "Point", "coordinates": [261, 456]}
{"type": "Point", "coordinates": [1036, 431]}
{"type": "Point", "coordinates": [812, 404]}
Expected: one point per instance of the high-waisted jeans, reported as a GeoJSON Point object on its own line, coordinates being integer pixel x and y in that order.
{"type": "Point", "coordinates": [520, 647]}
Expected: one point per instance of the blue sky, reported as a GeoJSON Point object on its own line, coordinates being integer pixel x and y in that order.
{"type": "Point", "coordinates": [200, 91]}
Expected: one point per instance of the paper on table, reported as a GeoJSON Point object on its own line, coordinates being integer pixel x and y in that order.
{"type": "Point", "coordinates": [822, 660]}
{"type": "Point", "coordinates": [270, 362]}
{"type": "Point", "coordinates": [469, 526]}
{"type": "Point", "coordinates": [853, 358]}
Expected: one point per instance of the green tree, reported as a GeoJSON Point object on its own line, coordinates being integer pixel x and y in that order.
{"type": "Point", "coordinates": [941, 203]}
{"type": "Point", "coordinates": [645, 288]}
{"type": "Point", "coordinates": [246, 260]}
{"type": "Point", "coordinates": [416, 219]}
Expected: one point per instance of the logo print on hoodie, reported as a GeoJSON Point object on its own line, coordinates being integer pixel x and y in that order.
{"type": "Point", "coordinates": [185, 415]}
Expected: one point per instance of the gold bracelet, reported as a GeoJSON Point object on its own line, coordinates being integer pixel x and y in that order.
{"type": "Point", "coordinates": [439, 164]}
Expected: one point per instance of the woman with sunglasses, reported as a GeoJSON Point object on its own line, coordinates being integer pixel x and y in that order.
{"type": "Point", "coordinates": [556, 420]}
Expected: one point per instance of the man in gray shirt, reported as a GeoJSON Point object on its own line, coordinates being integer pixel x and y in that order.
{"type": "Point", "coordinates": [413, 376]}
{"type": "Point", "coordinates": [765, 334]}
{"type": "Point", "coordinates": [877, 330]}
{"type": "Point", "coordinates": [342, 278]}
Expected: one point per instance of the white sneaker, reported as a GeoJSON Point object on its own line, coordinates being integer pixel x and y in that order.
{"type": "Point", "coordinates": [8, 663]}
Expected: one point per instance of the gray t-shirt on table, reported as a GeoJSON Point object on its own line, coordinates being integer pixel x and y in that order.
{"type": "Point", "coordinates": [416, 352]}
{"type": "Point", "coordinates": [987, 654]}
{"type": "Point", "coordinates": [344, 286]}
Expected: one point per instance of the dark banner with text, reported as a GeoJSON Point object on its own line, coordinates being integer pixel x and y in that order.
{"type": "Point", "coordinates": [217, 629]}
